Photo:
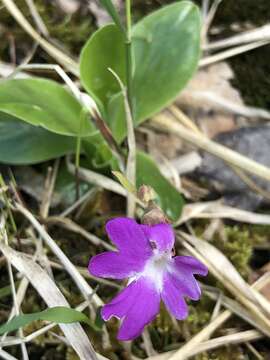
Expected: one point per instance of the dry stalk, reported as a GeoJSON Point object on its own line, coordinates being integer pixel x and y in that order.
{"type": "Point", "coordinates": [131, 158]}
{"type": "Point", "coordinates": [163, 122]}
{"type": "Point", "coordinates": [187, 349]}
{"type": "Point", "coordinates": [231, 52]}
{"type": "Point", "coordinates": [259, 34]}
{"type": "Point", "coordinates": [84, 287]}
{"type": "Point", "coordinates": [72, 226]}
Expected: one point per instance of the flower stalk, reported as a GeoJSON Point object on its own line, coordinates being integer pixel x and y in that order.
{"type": "Point", "coordinates": [129, 60]}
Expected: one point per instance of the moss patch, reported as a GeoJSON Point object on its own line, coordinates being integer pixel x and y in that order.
{"type": "Point", "coordinates": [70, 31]}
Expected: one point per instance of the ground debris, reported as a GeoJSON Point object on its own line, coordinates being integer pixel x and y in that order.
{"type": "Point", "coordinates": [254, 142]}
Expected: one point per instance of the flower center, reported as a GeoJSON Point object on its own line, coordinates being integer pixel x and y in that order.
{"type": "Point", "coordinates": [155, 268]}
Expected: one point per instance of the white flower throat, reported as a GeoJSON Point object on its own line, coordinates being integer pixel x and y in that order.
{"type": "Point", "coordinates": [156, 267]}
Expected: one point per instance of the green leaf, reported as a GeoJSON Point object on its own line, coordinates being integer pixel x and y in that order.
{"type": "Point", "coordinates": [43, 103]}
{"type": "Point", "coordinates": [113, 12]}
{"type": "Point", "coordinates": [21, 143]}
{"type": "Point", "coordinates": [58, 314]}
{"type": "Point", "coordinates": [166, 50]}
{"type": "Point", "coordinates": [105, 49]}
{"type": "Point", "coordinates": [169, 199]}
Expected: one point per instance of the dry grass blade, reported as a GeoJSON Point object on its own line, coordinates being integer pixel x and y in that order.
{"type": "Point", "coordinates": [207, 331]}
{"type": "Point", "coordinates": [231, 52]}
{"type": "Point", "coordinates": [48, 189]}
{"type": "Point", "coordinates": [84, 287]}
{"type": "Point", "coordinates": [163, 122]}
{"type": "Point", "coordinates": [6, 356]}
{"type": "Point", "coordinates": [72, 226]}
{"type": "Point", "coordinates": [11, 341]}
{"type": "Point", "coordinates": [225, 272]}
{"type": "Point", "coordinates": [97, 179]}
{"type": "Point", "coordinates": [259, 34]}
{"type": "Point", "coordinates": [216, 210]}
{"type": "Point", "coordinates": [16, 305]}
{"type": "Point", "coordinates": [232, 339]}
{"type": "Point", "coordinates": [101, 180]}
{"type": "Point", "coordinates": [79, 202]}
{"type": "Point", "coordinates": [85, 273]}
{"type": "Point", "coordinates": [235, 308]}
{"type": "Point", "coordinates": [37, 18]}
{"type": "Point", "coordinates": [57, 54]}
{"type": "Point", "coordinates": [221, 103]}
{"type": "Point", "coordinates": [50, 293]}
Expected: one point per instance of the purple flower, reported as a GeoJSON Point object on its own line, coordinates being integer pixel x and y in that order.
{"type": "Point", "coordinates": [145, 257]}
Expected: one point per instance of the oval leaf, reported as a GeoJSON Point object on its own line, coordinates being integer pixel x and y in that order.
{"type": "Point", "coordinates": [21, 143]}
{"type": "Point", "coordinates": [43, 103]}
{"type": "Point", "coordinates": [166, 50]}
{"type": "Point", "coordinates": [58, 314]}
{"type": "Point", "coordinates": [104, 50]}
{"type": "Point", "coordinates": [169, 199]}
{"type": "Point", "coordinates": [166, 47]}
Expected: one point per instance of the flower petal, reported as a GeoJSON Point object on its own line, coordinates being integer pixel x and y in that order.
{"type": "Point", "coordinates": [115, 265]}
{"type": "Point", "coordinates": [186, 284]}
{"type": "Point", "coordinates": [129, 237]}
{"type": "Point", "coordinates": [173, 300]}
{"type": "Point", "coordinates": [142, 311]}
{"type": "Point", "coordinates": [161, 234]}
{"type": "Point", "coordinates": [120, 305]}
{"type": "Point", "coordinates": [191, 264]}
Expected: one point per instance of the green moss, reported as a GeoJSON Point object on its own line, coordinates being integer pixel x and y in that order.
{"type": "Point", "coordinates": [259, 234]}
{"type": "Point", "coordinates": [199, 315]}
{"type": "Point", "coordinates": [224, 353]}
{"type": "Point", "coordinates": [70, 31]}
{"type": "Point", "coordinates": [238, 248]}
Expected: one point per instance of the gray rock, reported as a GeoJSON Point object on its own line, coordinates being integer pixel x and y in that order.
{"type": "Point", "coordinates": [254, 142]}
